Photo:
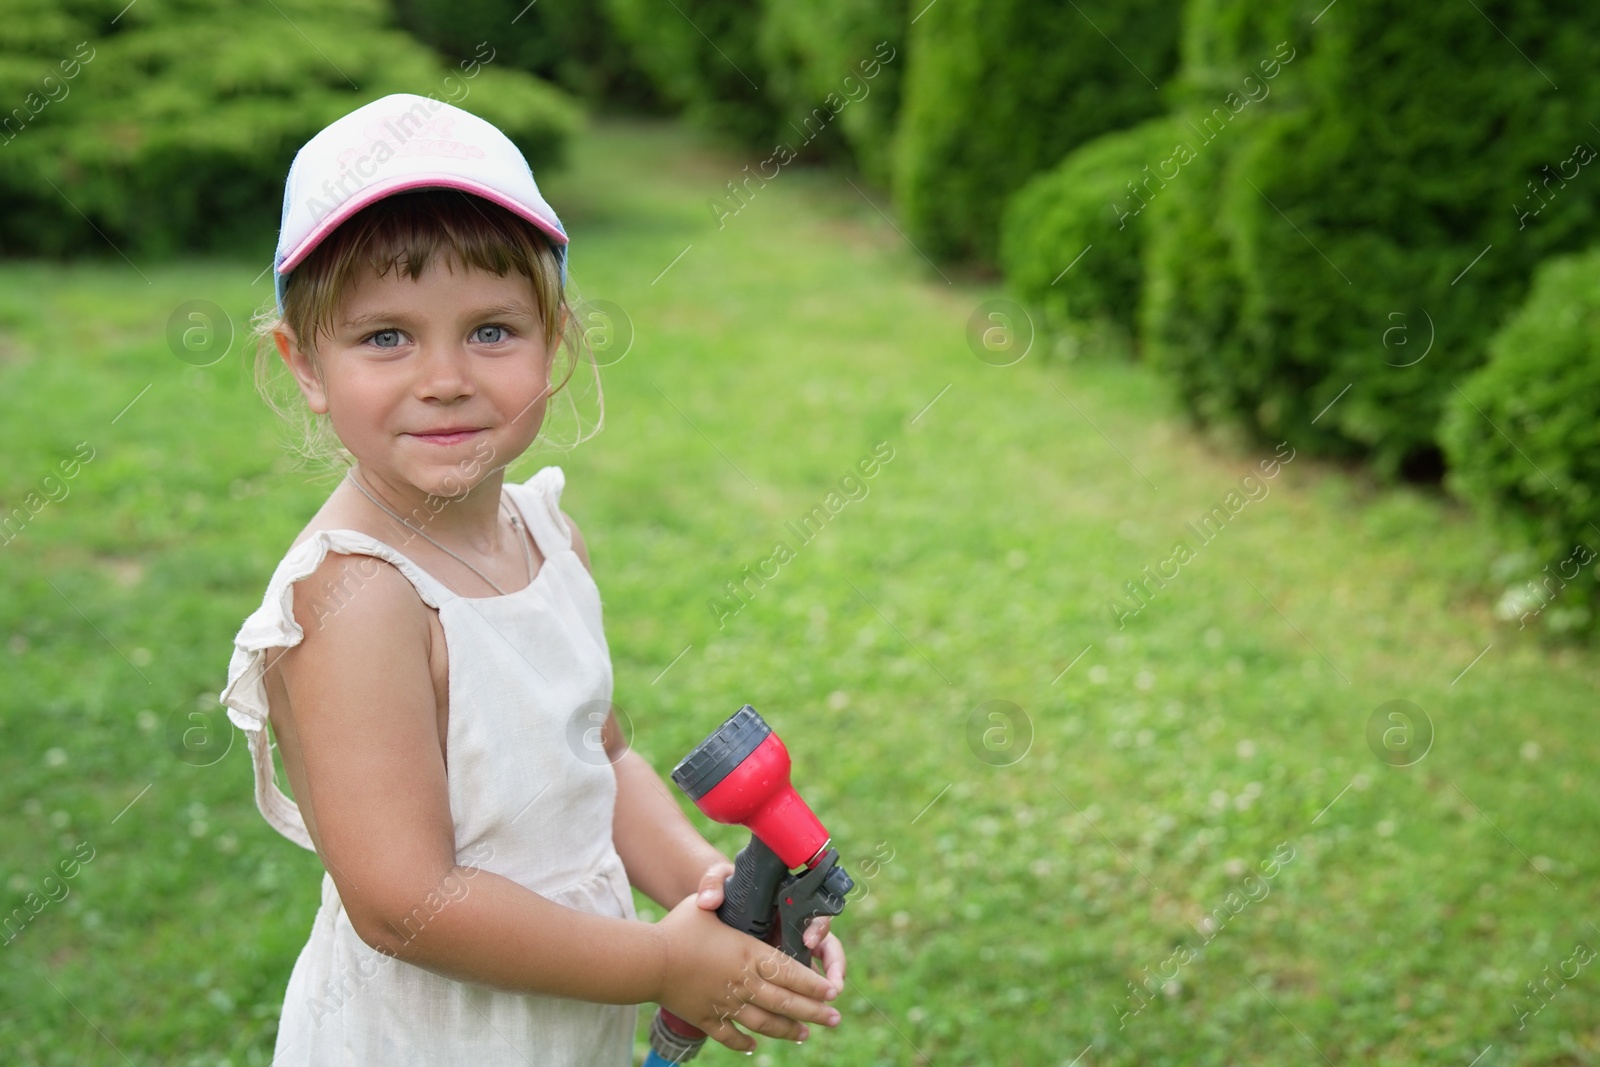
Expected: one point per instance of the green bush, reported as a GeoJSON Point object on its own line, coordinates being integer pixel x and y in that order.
{"type": "Point", "coordinates": [177, 125]}
{"type": "Point", "coordinates": [996, 92]}
{"type": "Point", "coordinates": [565, 41]}
{"type": "Point", "coordinates": [1523, 439]}
{"type": "Point", "coordinates": [702, 56]}
{"type": "Point", "coordinates": [1339, 216]}
{"type": "Point", "coordinates": [1086, 208]}
{"type": "Point", "coordinates": [847, 58]}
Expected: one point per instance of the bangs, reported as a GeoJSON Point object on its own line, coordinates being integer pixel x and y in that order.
{"type": "Point", "coordinates": [405, 234]}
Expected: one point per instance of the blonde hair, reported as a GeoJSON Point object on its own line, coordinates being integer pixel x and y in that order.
{"type": "Point", "coordinates": [404, 234]}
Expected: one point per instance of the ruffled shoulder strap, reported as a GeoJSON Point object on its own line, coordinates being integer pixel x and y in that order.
{"type": "Point", "coordinates": [539, 499]}
{"type": "Point", "coordinates": [273, 626]}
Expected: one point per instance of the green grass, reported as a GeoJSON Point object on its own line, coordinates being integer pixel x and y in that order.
{"type": "Point", "coordinates": [1174, 756]}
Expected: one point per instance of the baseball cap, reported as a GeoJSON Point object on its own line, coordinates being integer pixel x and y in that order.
{"type": "Point", "coordinates": [396, 144]}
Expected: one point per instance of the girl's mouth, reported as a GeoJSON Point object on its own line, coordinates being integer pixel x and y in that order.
{"type": "Point", "coordinates": [449, 436]}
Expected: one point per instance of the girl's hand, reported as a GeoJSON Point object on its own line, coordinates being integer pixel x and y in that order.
{"type": "Point", "coordinates": [714, 975]}
{"type": "Point", "coordinates": [824, 946]}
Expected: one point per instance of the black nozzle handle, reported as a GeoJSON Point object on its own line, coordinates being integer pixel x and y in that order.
{"type": "Point", "coordinates": [749, 893]}
{"type": "Point", "coordinates": [761, 898]}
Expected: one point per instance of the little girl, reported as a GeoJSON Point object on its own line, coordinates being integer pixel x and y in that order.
{"type": "Point", "coordinates": [434, 706]}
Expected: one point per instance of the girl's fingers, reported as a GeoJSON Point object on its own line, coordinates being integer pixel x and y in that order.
{"type": "Point", "coordinates": [724, 1032]}
{"type": "Point", "coordinates": [816, 930]}
{"type": "Point", "coordinates": [763, 1022]}
{"type": "Point", "coordinates": [800, 996]}
{"type": "Point", "coordinates": [831, 956]}
{"type": "Point", "coordinates": [804, 981]}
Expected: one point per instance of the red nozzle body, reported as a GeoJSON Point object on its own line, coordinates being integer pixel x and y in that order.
{"type": "Point", "coordinates": [739, 776]}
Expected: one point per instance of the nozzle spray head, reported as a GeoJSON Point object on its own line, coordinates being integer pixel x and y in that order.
{"type": "Point", "coordinates": [739, 776]}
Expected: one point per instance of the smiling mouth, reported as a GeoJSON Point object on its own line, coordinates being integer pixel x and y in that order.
{"type": "Point", "coordinates": [446, 437]}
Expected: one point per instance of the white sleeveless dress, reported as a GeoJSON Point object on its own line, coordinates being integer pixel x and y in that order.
{"type": "Point", "coordinates": [531, 796]}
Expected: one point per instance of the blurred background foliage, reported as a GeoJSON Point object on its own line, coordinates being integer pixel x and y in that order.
{"type": "Point", "coordinates": [998, 91]}
{"type": "Point", "coordinates": [1313, 227]}
{"type": "Point", "coordinates": [184, 113]}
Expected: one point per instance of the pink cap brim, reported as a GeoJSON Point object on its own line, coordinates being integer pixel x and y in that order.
{"type": "Point", "coordinates": [380, 190]}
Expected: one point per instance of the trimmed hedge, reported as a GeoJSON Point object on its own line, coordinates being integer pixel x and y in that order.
{"type": "Point", "coordinates": [817, 52]}
{"type": "Point", "coordinates": [997, 91]}
{"type": "Point", "coordinates": [1523, 438]}
{"type": "Point", "coordinates": [569, 42]}
{"type": "Point", "coordinates": [821, 78]}
{"type": "Point", "coordinates": [177, 127]}
{"type": "Point", "coordinates": [1407, 173]}
{"type": "Point", "coordinates": [703, 57]}
{"type": "Point", "coordinates": [1086, 207]}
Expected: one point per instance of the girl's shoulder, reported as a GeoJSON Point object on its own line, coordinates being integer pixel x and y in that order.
{"type": "Point", "coordinates": [334, 572]}
{"type": "Point", "coordinates": [337, 592]}
{"type": "Point", "coordinates": [327, 574]}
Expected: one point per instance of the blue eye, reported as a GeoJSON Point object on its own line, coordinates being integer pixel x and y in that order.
{"type": "Point", "coordinates": [497, 334]}
{"type": "Point", "coordinates": [386, 338]}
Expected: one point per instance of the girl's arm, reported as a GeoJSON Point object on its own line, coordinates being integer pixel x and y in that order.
{"type": "Point", "coordinates": [665, 856]}
{"type": "Point", "coordinates": [356, 715]}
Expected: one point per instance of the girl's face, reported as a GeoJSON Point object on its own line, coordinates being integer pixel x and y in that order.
{"type": "Point", "coordinates": [431, 383]}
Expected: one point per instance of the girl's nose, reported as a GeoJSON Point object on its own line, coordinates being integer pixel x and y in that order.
{"type": "Point", "coordinates": [445, 373]}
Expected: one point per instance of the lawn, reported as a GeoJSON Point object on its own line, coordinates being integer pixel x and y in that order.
{"type": "Point", "coordinates": [1186, 834]}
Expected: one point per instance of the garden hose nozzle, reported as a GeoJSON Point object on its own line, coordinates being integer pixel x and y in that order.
{"type": "Point", "coordinates": [783, 878]}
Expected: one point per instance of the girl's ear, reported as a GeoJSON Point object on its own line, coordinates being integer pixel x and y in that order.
{"type": "Point", "coordinates": [304, 369]}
